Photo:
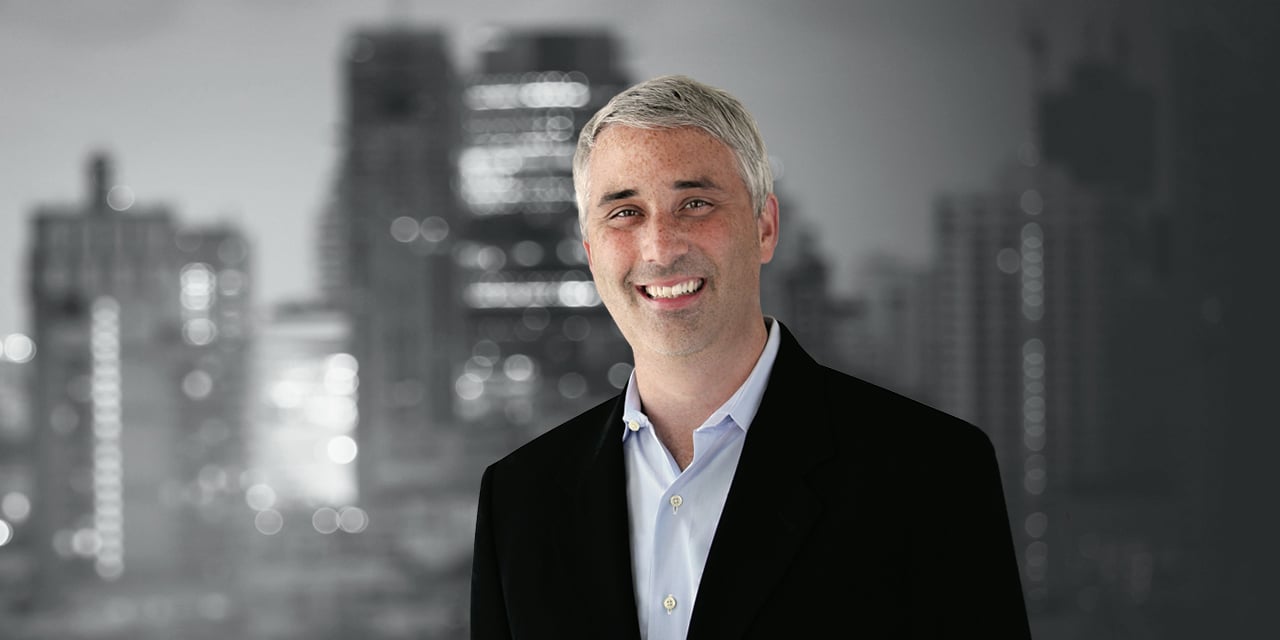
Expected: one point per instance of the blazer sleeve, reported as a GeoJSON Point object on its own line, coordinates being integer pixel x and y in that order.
{"type": "Point", "coordinates": [984, 597]}
{"type": "Point", "coordinates": [488, 605]}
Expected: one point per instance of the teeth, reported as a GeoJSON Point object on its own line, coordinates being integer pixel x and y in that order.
{"type": "Point", "coordinates": [682, 289]}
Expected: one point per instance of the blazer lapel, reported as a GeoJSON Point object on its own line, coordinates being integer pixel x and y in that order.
{"type": "Point", "coordinates": [597, 540]}
{"type": "Point", "coordinates": [770, 510]}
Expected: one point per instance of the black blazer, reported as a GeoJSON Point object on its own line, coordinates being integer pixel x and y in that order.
{"type": "Point", "coordinates": [853, 509]}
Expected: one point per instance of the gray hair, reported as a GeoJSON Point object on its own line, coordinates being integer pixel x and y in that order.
{"type": "Point", "coordinates": [672, 102]}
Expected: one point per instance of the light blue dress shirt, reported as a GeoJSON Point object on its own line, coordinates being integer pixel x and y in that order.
{"type": "Point", "coordinates": [674, 513]}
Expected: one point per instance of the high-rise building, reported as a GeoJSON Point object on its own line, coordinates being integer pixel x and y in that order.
{"type": "Point", "coordinates": [795, 286]}
{"type": "Point", "coordinates": [104, 292]}
{"type": "Point", "coordinates": [137, 400]}
{"type": "Point", "coordinates": [539, 343]}
{"type": "Point", "coordinates": [1050, 302]}
{"type": "Point", "coordinates": [896, 301]}
{"type": "Point", "coordinates": [298, 574]}
{"type": "Point", "coordinates": [1020, 284]}
{"type": "Point", "coordinates": [396, 211]}
{"type": "Point", "coordinates": [18, 547]}
{"type": "Point", "coordinates": [1223, 106]}
{"type": "Point", "coordinates": [214, 311]}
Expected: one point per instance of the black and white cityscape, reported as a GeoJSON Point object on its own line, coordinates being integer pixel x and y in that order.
{"type": "Point", "coordinates": [184, 456]}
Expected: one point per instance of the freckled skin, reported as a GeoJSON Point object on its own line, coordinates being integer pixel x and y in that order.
{"type": "Point", "coordinates": [662, 234]}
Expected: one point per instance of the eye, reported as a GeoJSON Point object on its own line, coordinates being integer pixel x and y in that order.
{"type": "Point", "coordinates": [623, 213]}
{"type": "Point", "coordinates": [696, 204]}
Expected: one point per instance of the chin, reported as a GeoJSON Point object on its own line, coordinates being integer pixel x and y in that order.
{"type": "Point", "coordinates": [665, 344]}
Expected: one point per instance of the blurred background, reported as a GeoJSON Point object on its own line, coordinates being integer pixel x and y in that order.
{"type": "Point", "coordinates": [279, 278]}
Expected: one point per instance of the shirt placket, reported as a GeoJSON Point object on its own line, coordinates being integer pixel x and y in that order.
{"type": "Point", "coordinates": [672, 591]}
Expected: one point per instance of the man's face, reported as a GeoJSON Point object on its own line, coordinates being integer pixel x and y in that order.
{"type": "Point", "coordinates": [673, 244]}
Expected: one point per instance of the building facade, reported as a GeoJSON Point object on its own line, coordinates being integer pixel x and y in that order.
{"type": "Point", "coordinates": [540, 345]}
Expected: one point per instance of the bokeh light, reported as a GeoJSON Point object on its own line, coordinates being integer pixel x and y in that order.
{"type": "Point", "coordinates": [325, 520]}
{"type": "Point", "coordinates": [1036, 524]}
{"type": "Point", "coordinates": [15, 506]}
{"type": "Point", "coordinates": [120, 198]}
{"type": "Point", "coordinates": [260, 497]}
{"type": "Point", "coordinates": [404, 229]}
{"type": "Point", "coordinates": [341, 449]}
{"type": "Point", "coordinates": [518, 367]}
{"type": "Point", "coordinates": [1008, 260]}
{"type": "Point", "coordinates": [469, 386]}
{"type": "Point", "coordinates": [19, 348]}
{"type": "Point", "coordinates": [1032, 202]}
{"type": "Point", "coordinates": [199, 331]}
{"type": "Point", "coordinates": [619, 373]}
{"type": "Point", "coordinates": [268, 522]}
{"type": "Point", "coordinates": [353, 519]}
{"type": "Point", "coordinates": [572, 385]}
{"type": "Point", "coordinates": [197, 384]}
{"type": "Point", "coordinates": [434, 229]}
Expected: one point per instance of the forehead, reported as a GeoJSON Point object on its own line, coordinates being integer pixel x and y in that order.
{"type": "Point", "coordinates": [623, 155]}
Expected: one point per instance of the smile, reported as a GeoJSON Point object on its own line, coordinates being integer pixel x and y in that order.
{"type": "Point", "coordinates": [688, 287]}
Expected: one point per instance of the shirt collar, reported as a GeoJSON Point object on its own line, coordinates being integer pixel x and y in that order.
{"type": "Point", "coordinates": [740, 408]}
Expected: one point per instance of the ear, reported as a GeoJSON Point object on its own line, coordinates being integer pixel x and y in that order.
{"type": "Point", "coordinates": [767, 227]}
{"type": "Point", "coordinates": [586, 245]}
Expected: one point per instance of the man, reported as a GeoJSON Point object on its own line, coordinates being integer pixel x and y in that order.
{"type": "Point", "coordinates": [736, 489]}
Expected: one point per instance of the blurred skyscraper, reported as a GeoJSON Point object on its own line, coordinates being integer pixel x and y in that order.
{"type": "Point", "coordinates": [1023, 281]}
{"type": "Point", "coordinates": [104, 289]}
{"type": "Point", "coordinates": [1053, 298]}
{"type": "Point", "coordinates": [136, 398]}
{"type": "Point", "coordinates": [215, 314]}
{"type": "Point", "coordinates": [396, 217]}
{"type": "Point", "coordinates": [540, 345]}
{"type": "Point", "coordinates": [1224, 100]}
{"type": "Point", "coordinates": [795, 285]}
{"type": "Point", "coordinates": [894, 331]}
{"type": "Point", "coordinates": [17, 542]}
{"type": "Point", "coordinates": [308, 569]}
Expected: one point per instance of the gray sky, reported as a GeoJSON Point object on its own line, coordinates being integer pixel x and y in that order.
{"type": "Point", "coordinates": [229, 110]}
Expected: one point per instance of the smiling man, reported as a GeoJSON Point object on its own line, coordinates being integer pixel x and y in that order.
{"type": "Point", "coordinates": [736, 489]}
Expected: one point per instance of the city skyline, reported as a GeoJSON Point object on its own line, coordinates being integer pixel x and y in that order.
{"type": "Point", "coordinates": [255, 91]}
{"type": "Point", "coordinates": [1079, 279]}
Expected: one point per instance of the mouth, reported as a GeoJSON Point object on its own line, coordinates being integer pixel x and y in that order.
{"type": "Point", "coordinates": [677, 290]}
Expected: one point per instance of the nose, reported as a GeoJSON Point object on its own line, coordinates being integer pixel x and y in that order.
{"type": "Point", "coordinates": [663, 240]}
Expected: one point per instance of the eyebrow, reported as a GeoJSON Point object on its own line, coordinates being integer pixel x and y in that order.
{"type": "Point", "coordinates": [678, 185]}
{"type": "Point", "coordinates": [617, 195]}
{"type": "Point", "coordinates": [697, 183]}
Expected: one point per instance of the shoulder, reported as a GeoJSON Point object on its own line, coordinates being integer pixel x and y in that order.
{"type": "Point", "coordinates": [895, 422]}
{"type": "Point", "coordinates": [562, 446]}
{"type": "Point", "coordinates": [864, 415]}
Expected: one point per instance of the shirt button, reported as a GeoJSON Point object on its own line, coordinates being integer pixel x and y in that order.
{"type": "Point", "coordinates": [669, 603]}
{"type": "Point", "coordinates": [633, 425]}
{"type": "Point", "coordinates": [676, 501]}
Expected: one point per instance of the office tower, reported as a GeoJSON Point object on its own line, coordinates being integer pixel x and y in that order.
{"type": "Point", "coordinates": [896, 299]}
{"type": "Point", "coordinates": [104, 293]}
{"type": "Point", "coordinates": [214, 284]}
{"type": "Point", "coordinates": [1223, 103]}
{"type": "Point", "coordinates": [331, 253]}
{"type": "Point", "coordinates": [136, 402]}
{"type": "Point", "coordinates": [539, 344]}
{"type": "Point", "coordinates": [301, 570]}
{"type": "Point", "coordinates": [1052, 303]}
{"type": "Point", "coordinates": [795, 285]}
{"type": "Point", "coordinates": [18, 547]}
{"type": "Point", "coordinates": [1020, 289]}
{"type": "Point", "coordinates": [304, 408]}
{"type": "Point", "coordinates": [396, 210]}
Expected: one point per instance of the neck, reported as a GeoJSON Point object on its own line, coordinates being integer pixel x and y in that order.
{"type": "Point", "coordinates": [680, 392]}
